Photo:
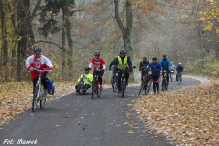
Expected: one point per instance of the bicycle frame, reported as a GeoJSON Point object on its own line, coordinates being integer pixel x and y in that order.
{"type": "Point", "coordinates": [38, 95]}
{"type": "Point", "coordinates": [164, 80]}
{"type": "Point", "coordinates": [95, 87]}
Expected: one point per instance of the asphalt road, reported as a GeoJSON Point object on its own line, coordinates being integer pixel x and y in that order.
{"type": "Point", "coordinates": [78, 120]}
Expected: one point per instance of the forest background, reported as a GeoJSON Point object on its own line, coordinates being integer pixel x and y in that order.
{"type": "Point", "coordinates": [69, 31]}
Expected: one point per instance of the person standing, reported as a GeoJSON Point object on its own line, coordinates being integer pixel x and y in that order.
{"type": "Point", "coordinates": [155, 69]}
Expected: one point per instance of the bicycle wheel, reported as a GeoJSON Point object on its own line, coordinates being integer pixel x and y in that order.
{"type": "Point", "coordinates": [93, 89]}
{"type": "Point", "coordinates": [180, 78]}
{"type": "Point", "coordinates": [149, 86]}
{"type": "Point", "coordinates": [115, 83]}
{"type": "Point", "coordinates": [35, 98]}
{"type": "Point", "coordinates": [81, 90]}
{"type": "Point", "coordinates": [163, 84]}
{"type": "Point", "coordinates": [123, 87]}
{"type": "Point", "coordinates": [43, 101]}
{"type": "Point", "coordinates": [98, 92]}
{"type": "Point", "coordinates": [166, 85]}
{"type": "Point", "coordinates": [142, 85]}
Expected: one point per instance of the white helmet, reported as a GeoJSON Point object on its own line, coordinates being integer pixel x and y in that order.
{"type": "Point", "coordinates": [171, 62]}
{"type": "Point", "coordinates": [180, 63]}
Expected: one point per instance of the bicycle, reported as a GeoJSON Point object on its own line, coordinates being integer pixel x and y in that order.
{"type": "Point", "coordinates": [82, 88]}
{"type": "Point", "coordinates": [114, 81]}
{"type": "Point", "coordinates": [164, 81]}
{"type": "Point", "coordinates": [171, 75]}
{"type": "Point", "coordinates": [179, 76]}
{"type": "Point", "coordinates": [39, 94]}
{"type": "Point", "coordinates": [95, 87]}
{"type": "Point", "coordinates": [147, 80]}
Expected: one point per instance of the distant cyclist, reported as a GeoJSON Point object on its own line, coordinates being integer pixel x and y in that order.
{"type": "Point", "coordinates": [39, 62]}
{"type": "Point", "coordinates": [99, 67]}
{"type": "Point", "coordinates": [165, 65]}
{"type": "Point", "coordinates": [180, 69]}
{"type": "Point", "coordinates": [142, 65]}
{"type": "Point", "coordinates": [112, 64]}
{"type": "Point", "coordinates": [88, 80]}
{"type": "Point", "coordinates": [172, 68]}
{"type": "Point", "coordinates": [123, 62]}
{"type": "Point", "coordinates": [155, 68]}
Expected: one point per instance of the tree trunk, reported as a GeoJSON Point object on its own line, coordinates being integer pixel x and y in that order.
{"type": "Point", "coordinates": [5, 42]}
{"type": "Point", "coordinates": [26, 37]}
{"type": "Point", "coordinates": [69, 37]}
{"type": "Point", "coordinates": [128, 30]}
{"type": "Point", "coordinates": [63, 46]}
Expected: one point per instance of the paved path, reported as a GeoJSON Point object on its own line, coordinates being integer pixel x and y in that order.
{"type": "Point", "coordinates": [78, 120]}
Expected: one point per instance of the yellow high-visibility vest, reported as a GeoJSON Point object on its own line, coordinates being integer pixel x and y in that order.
{"type": "Point", "coordinates": [121, 65]}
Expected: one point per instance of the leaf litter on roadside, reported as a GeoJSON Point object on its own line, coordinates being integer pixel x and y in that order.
{"type": "Point", "coordinates": [189, 116]}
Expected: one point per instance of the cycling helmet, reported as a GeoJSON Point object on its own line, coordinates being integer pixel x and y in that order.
{"type": "Point", "coordinates": [154, 57]}
{"type": "Point", "coordinates": [180, 63]}
{"type": "Point", "coordinates": [37, 50]}
{"type": "Point", "coordinates": [86, 68]}
{"type": "Point", "coordinates": [145, 58]}
{"type": "Point", "coordinates": [164, 55]}
{"type": "Point", "coordinates": [115, 57]}
{"type": "Point", "coordinates": [122, 51]}
{"type": "Point", "coordinates": [97, 53]}
{"type": "Point", "coordinates": [171, 62]}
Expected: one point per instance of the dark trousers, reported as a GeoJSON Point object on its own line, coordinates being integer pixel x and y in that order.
{"type": "Point", "coordinates": [43, 81]}
{"type": "Point", "coordinates": [155, 85]}
{"type": "Point", "coordinates": [120, 76]}
{"type": "Point", "coordinates": [99, 74]}
{"type": "Point", "coordinates": [87, 86]}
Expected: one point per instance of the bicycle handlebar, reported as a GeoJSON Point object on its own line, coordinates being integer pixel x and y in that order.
{"type": "Point", "coordinates": [40, 70]}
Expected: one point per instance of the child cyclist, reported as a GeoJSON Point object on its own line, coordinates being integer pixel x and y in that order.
{"type": "Point", "coordinates": [99, 67]}
{"type": "Point", "coordinates": [155, 69]}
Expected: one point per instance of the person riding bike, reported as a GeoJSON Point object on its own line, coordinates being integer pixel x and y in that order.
{"type": "Point", "coordinates": [39, 62]}
{"type": "Point", "coordinates": [172, 68]}
{"type": "Point", "coordinates": [143, 63]}
{"type": "Point", "coordinates": [155, 69]}
{"type": "Point", "coordinates": [88, 80]}
{"type": "Point", "coordinates": [179, 68]}
{"type": "Point", "coordinates": [165, 64]}
{"type": "Point", "coordinates": [112, 64]}
{"type": "Point", "coordinates": [123, 62]}
{"type": "Point", "coordinates": [99, 67]}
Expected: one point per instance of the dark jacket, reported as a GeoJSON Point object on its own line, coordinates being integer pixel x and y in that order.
{"type": "Point", "coordinates": [179, 68]}
{"type": "Point", "coordinates": [128, 60]}
{"type": "Point", "coordinates": [142, 63]}
{"type": "Point", "coordinates": [155, 66]}
{"type": "Point", "coordinates": [112, 63]}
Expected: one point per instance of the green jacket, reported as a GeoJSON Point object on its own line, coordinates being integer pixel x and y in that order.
{"type": "Point", "coordinates": [87, 76]}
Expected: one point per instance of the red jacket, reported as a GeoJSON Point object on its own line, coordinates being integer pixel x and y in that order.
{"type": "Point", "coordinates": [100, 64]}
{"type": "Point", "coordinates": [40, 63]}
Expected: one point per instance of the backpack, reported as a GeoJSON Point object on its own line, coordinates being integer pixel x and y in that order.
{"type": "Point", "coordinates": [50, 86]}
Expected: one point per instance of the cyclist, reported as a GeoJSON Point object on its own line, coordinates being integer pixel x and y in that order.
{"type": "Point", "coordinates": [110, 66]}
{"type": "Point", "coordinates": [123, 62]}
{"type": "Point", "coordinates": [172, 68]}
{"type": "Point", "coordinates": [155, 69]}
{"type": "Point", "coordinates": [179, 68]}
{"type": "Point", "coordinates": [99, 67]}
{"type": "Point", "coordinates": [143, 63]}
{"type": "Point", "coordinates": [88, 80]}
{"type": "Point", "coordinates": [39, 62]}
{"type": "Point", "coordinates": [165, 64]}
